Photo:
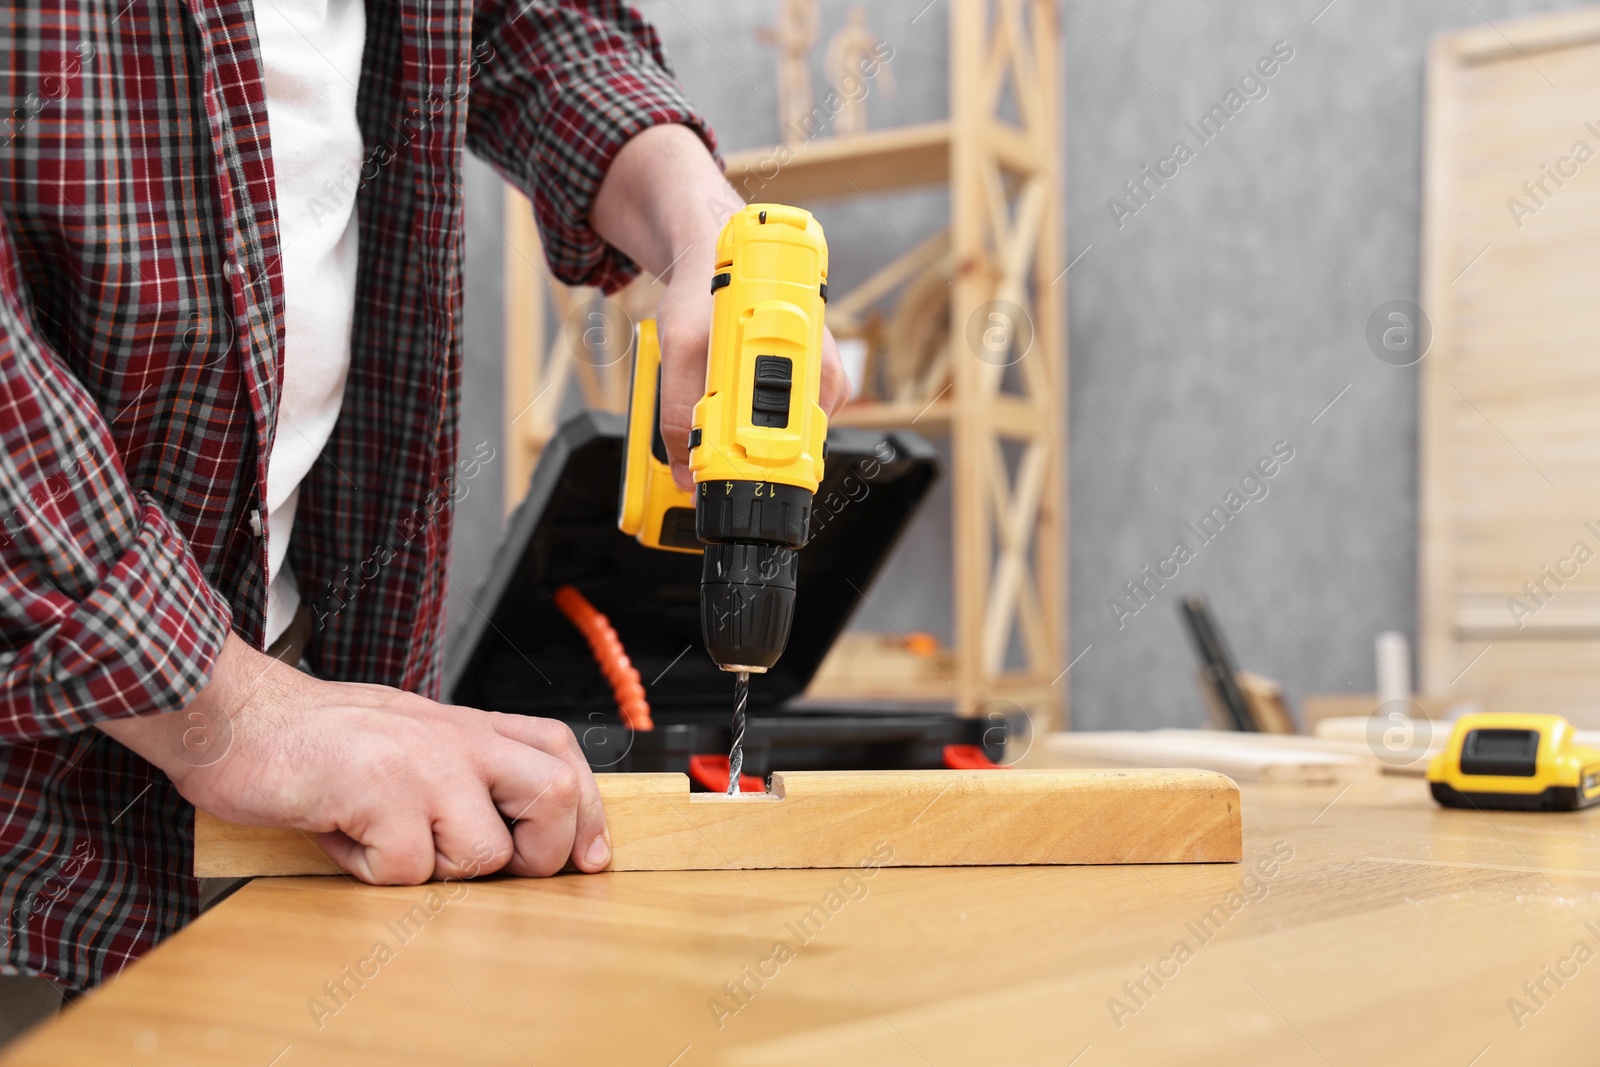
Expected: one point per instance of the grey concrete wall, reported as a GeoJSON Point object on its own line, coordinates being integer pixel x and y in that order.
{"type": "Point", "coordinates": [1222, 317]}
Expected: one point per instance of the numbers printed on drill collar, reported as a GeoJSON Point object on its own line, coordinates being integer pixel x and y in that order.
{"type": "Point", "coordinates": [761, 489]}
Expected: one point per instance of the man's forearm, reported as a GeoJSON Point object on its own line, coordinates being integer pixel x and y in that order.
{"type": "Point", "coordinates": [198, 734]}
{"type": "Point", "coordinates": [656, 203]}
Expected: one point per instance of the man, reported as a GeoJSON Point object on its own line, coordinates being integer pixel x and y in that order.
{"type": "Point", "coordinates": [230, 296]}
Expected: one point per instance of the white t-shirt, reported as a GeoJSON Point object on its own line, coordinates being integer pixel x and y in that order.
{"type": "Point", "coordinates": [311, 62]}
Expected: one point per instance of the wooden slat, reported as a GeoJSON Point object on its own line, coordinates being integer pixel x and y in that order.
{"type": "Point", "coordinates": [1569, 613]}
{"type": "Point", "coordinates": [840, 818]}
{"type": "Point", "coordinates": [972, 76]}
{"type": "Point", "coordinates": [1017, 417]}
{"type": "Point", "coordinates": [901, 158]}
{"type": "Point", "coordinates": [1046, 366]}
{"type": "Point", "coordinates": [1016, 151]}
{"type": "Point", "coordinates": [228, 850]}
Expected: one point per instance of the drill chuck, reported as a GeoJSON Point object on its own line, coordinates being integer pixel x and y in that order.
{"type": "Point", "coordinates": [747, 592]}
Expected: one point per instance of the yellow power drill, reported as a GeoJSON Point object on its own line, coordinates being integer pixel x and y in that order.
{"type": "Point", "coordinates": [756, 449]}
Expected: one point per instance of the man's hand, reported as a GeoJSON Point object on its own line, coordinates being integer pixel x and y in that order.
{"type": "Point", "coordinates": [663, 203]}
{"type": "Point", "coordinates": [399, 789]}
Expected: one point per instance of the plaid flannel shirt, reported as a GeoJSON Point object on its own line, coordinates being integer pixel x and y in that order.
{"type": "Point", "coordinates": [141, 338]}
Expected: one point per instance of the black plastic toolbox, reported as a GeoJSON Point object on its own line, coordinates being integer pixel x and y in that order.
{"type": "Point", "coordinates": [518, 653]}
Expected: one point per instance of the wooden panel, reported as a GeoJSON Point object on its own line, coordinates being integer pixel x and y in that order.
{"type": "Point", "coordinates": [1510, 446]}
{"type": "Point", "coordinates": [839, 819]}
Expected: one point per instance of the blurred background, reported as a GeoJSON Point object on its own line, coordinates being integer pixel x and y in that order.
{"type": "Point", "coordinates": [1221, 317]}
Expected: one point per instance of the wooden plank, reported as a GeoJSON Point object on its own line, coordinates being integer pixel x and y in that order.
{"type": "Point", "coordinates": [840, 818]}
{"type": "Point", "coordinates": [1013, 148]}
{"type": "Point", "coordinates": [1572, 613]}
{"type": "Point", "coordinates": [1245, 757]}
{"type": "Point", "coordinates": [228, 850]}
{"type": "Point", "coordinates": [970, 44]}
{"type": "Point", "coordinates": [901, 158]}
{"type": "Point", "coordinates": [1047, 366]}
{"type": "Point", "coordinates": [1016, 513]}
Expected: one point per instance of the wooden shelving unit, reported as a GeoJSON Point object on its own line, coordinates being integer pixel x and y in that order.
{"type": "Point", "coordinates": [1005, 416]}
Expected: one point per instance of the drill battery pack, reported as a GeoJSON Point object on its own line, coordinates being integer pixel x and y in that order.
{"type": "Point", "coordinates": [518, 653]}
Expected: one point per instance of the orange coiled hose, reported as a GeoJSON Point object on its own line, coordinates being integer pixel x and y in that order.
{"type": "Point", "coordinates": [609, 653]}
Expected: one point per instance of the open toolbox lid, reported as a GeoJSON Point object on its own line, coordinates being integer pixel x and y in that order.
{"type": "Point", "coordinates": [518, 653]}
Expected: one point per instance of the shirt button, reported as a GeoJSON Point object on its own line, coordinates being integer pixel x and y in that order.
{"type": "Point", "coordinates": [255, 521]}
{"type": "Point", "coordinates": [230, 268]}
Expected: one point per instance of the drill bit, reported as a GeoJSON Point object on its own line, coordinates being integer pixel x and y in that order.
{"type": "Point", "coordinates": [741, 696]}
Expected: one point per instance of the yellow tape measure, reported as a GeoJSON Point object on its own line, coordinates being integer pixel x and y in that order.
{"type": "Point", "coordinates": [1516, 762]}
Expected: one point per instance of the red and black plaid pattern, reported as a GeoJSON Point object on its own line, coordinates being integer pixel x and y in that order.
{"type": "Point", "coordinates": [141, 337]}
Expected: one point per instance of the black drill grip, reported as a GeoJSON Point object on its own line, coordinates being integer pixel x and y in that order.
{"type": "Point", "coordinates": [747, 595]}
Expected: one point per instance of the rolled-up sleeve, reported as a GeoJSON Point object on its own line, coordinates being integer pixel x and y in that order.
{"type": "Point", "coordinates": [104, 611]}
{"type": "Point", "coordinates": [557, 90]}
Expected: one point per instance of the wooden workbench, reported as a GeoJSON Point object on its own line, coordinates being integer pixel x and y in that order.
{"type": "Point", "coordinates": [1390, 931]}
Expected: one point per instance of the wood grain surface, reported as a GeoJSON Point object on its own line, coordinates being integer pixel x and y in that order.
{"type": "Point", "coordinates": [835, 818]}
{"type": "Point", "coordinates": [1366, 926]}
